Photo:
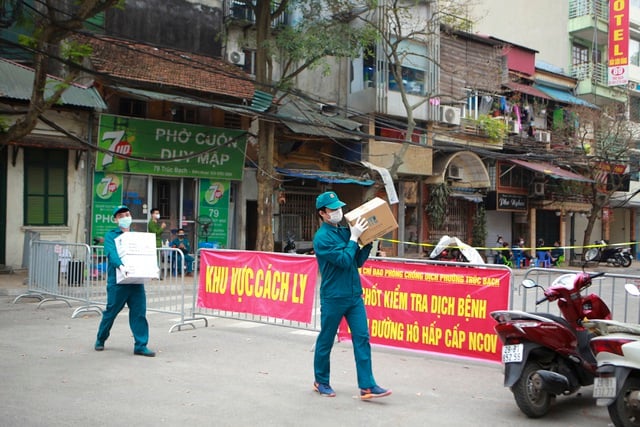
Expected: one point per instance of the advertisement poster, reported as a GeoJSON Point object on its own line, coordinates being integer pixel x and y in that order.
{"type": "Point", "coordinates": [435, 308]}
{"type": "Point", "coordinates": [213, 221]}
{"type": "Point", "coordinates": [262, 283]}
{"type": "Point", "coordinates": [169, 149]}
{"type": "Point", "coordinates": [107, 193]}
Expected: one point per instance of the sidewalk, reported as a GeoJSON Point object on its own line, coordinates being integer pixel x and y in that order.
{"type": "Point", "coordinates": [14, 283]}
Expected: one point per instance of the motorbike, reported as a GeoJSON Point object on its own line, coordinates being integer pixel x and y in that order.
{"type": "Point", "coordinates": [617, 381]}
{"type": "Point", "coordinates": [611, 255]}
{"type": "Point", "coordinates": [546, 355]}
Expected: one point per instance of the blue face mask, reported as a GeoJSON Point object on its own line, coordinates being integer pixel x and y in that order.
{"type": "Point", "coordinates": [125, 222]}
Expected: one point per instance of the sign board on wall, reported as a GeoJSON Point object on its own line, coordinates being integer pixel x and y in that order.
{"type": "Point", "coordinates": [107, 194]}
{"type": "Point", "coordinates": [214, 203]}
{"type": "Point", "coordinates": [618, 63]}
{"type": "Point", "coordinates": [169, 149]}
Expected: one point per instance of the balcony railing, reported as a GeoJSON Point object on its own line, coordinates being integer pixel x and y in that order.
{"type": "Point", "coordinates": [597, 9]}
{"type": "Point", "coordinates": [238, 11]}
{"type": "Point", "coordinates": [597, 73]}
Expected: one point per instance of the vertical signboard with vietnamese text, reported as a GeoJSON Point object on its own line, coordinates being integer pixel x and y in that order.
{"type": "Point", "coordinates": [107, 193]}
{"type": "Point", "coordinates": [618, 70]}
{"type": "Point", "coordinates": [214, 204]}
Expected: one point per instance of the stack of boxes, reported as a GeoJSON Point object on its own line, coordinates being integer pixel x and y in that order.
{"type": "Point", "coordinates": [138, 253]}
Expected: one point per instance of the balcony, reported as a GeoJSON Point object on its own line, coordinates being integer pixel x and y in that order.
{"type": "Point", "coordinates": [592, 84]}
{"type": "Point", "coordinates": [236, 12]}
{"type": "Point", "coordinates": [587, 16]}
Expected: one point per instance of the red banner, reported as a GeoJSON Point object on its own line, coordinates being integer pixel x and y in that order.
{"type": "Point", "coordinates": [262, 283]}
{"type": "Point", "coordinates": [436, 308]}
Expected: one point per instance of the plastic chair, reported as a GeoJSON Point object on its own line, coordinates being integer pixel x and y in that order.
{"type": "Point", "coordinates": [543, 259]}
{"type": "Point", "coordinates": [519, 259]}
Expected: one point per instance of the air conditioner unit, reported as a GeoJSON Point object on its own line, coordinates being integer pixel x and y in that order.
{"type": "Point", "coordinates": [543, 136]}
{"type": "Point", "coordinates": [454, 172]}
{"type": "Point", "coordinates": [513, 127]}
{"type": "Point", "coordinates": [450, 115]}
{"type": "Point", "coordinates": [538, 189]}
{"type": "Point", "coordinates": [236, 57]}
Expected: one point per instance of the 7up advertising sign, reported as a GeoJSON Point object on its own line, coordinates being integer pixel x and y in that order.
{"type": "Point", "coordinates": [155, 147]}
{"type": "Point", "coordinates": [214, 203]}
{"type": "Point", "coordinates": [107, 193]}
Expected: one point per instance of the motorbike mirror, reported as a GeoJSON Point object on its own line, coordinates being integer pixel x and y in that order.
{"type": "Point", "coordinates": [528, 283]}
{"type": "Point", "coordinates": [632, 289]}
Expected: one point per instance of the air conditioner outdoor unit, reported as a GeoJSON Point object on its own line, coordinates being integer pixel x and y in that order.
{"type": "Point", "coordinates": [236, 57]}
{"type": "Point", "coordinates": [454, 172]}
{"type": "Point", "coordinates": [538, 189]}
{"type": "Point", "coordinates": [543, 136]}
{"type": "Point", "coordinates": [450, 115]}
{"type": "Point", "coordinates": [513, 127]}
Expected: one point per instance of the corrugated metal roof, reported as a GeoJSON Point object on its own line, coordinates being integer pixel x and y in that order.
{"type": "Point", "coordinates": [16, 82]}
{"type": "Point", "coordinates": [563, 96]}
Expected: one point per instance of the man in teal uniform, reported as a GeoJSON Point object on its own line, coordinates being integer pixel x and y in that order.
{"type": "Point", "coordinates": [182, 243]}
{"type": "Point", "coordinates": [118, 295]}
{"type": "Point", "coordinates": [339, 256]}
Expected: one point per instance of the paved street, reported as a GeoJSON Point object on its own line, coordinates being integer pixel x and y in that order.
{"type": "Point", "coordinates": [235, 374]}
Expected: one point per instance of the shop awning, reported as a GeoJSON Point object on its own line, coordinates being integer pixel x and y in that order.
{"type": "Point", "coordinates": [327, 177]}
{"type": "Point", "coordinates": [302, 118]}
{"type": "Point", "coordinates": [526, 89]}
{"type": "Point", "coordinates": [551, 170]}
{"type": "Point", "coordinates": [563, 96]}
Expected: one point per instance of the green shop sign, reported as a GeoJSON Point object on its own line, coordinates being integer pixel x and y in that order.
{"type": "Point", "coordinates": [214, 212]}
{"type": "Point", "coordinates": [155, 147]}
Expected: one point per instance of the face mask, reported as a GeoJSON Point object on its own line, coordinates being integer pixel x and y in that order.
{"type": "Point", "coordinates": [156, 216]}
{"type": "Point", "coordinates": [125, 222]}
{"type": "Point", "coordinates": [180, 236]}
{"type": "Point", "coordinates": [335, 216]}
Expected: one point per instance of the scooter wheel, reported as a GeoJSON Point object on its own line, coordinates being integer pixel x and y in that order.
{"type": "Point", "coordinates": [532, 401]}
{"type": "Point", "coordinates": [624, 412]}
{"type": "Point", "coordinates": [625, 261]}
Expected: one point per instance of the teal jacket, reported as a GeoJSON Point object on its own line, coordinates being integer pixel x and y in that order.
{"type": "Point", "coordinates": [338, 261]}
{"type": "Point", "coordinates": [111, 253]}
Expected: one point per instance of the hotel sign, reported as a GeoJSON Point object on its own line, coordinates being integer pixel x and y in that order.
{"type": "Point", "coordinates": [618, 70]}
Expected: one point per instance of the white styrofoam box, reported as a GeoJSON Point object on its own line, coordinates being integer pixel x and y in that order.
{"type": "Point", "coordinates": [140, 268]}
{"type": "Point", "coordinates": [134, 243]}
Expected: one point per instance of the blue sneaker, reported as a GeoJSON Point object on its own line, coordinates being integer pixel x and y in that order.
{"type": "Point", "coordinates": [144, 352]}
{"type": "Point", "coordinates": [373, 392]}
{"type": "Point", "coordinates": [324, 389]}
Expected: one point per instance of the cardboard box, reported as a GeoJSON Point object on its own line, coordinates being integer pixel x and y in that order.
{"type": "Point", "coordinates": [134, 243]}
{"type": "Point", "coordinates": [141, 268]}
{"type": "Point", "coordinates": [378, 215]}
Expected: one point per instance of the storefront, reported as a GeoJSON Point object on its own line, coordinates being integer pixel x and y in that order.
{"type": "Point", "coordinates": [189, 172]}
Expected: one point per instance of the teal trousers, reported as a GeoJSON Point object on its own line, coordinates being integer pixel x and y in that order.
{"type": "Point", "coordinates": [134, 297]}
{"type": "Point", "coordinates": [332, 310]}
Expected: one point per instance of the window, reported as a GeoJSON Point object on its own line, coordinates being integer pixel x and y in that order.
{"type": "Point", "coordinates": [412, 80]}
{"type": "Point", "coordinates": [512, 176]}
{"type": "Point", "coordinates": [45, 186]}
{"type": "Point", "coordinates": [634, 52]}
{"type": "Point", "coordinates": [132, 107]}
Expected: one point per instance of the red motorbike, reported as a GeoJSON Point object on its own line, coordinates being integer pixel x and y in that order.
{"type": "Point", "coordinates": [545, 355]}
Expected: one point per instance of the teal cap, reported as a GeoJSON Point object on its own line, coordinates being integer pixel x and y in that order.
{"type": "Point", "coordinates": [119, 209]}
{"type": "Point", "coordinates": [329, 200]}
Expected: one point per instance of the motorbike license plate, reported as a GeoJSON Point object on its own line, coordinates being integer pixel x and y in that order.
{"type": "Point", "coordinates": [512, 353]}
{"type": "Point", "coordinates": [604, 387]}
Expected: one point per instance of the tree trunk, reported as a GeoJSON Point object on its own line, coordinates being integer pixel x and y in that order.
{"type": "Point", "coordinates": [266, 132]}
{"type": "Point", "coordinates": [265, 186]}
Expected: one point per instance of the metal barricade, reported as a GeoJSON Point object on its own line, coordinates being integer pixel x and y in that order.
{"type": "Point", "coordinates": [610, 288]}
{"type": "Point", "coordinates": [57, 272]}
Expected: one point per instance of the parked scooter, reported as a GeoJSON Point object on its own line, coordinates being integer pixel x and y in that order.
{"type": "Point", "coordinates": [617, 382]}
{"type": "Point", "coordinates": [611, 255]}
{"type": "Point", "coordinates": [546, 355]}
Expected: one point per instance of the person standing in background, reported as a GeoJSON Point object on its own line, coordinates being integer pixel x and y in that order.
{"type": "Point", "coordinates": [156, 227]}
{"type": "Point", "coordinates": [339, 256]}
